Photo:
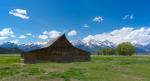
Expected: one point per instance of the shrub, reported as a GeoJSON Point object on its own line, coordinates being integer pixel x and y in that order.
{"type": "Point", "coordinates": [108, 51]}
{"type": "Point", "coordinates": [125, 48]}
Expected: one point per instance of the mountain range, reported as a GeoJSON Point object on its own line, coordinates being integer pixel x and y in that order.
{"type": "Point", "coordinates": [91, 46]}
{"type": "Point", "coordinates": [9, 50]}
{"type": "Point", "coordinates": [21, 47]}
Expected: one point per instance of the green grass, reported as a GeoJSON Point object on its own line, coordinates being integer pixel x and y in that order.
{"type": "Point", "coordinates": [100, 68]}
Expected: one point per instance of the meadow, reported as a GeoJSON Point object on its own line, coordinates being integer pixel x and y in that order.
{"type": "Point", "coordinates": [100, 68]}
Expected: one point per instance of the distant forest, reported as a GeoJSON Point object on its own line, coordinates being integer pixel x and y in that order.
{"type": "Point", "coordinates": [9, 50]}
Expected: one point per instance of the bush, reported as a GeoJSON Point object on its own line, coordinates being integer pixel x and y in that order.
{"type": "Point", "coordinates": [108, 51]}
{"type": "Point", "coordinates": [125, 48]}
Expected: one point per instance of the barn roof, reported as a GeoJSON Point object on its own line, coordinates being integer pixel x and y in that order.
{"type": "Point", "coordinates": [53, 40]}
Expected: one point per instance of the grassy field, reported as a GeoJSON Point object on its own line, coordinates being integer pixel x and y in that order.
{"type": "Point", "coordinates": [101, 68]}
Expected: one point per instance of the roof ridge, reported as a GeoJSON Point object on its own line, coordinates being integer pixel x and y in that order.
{"type": "Point", "coordinates": [50, 42]}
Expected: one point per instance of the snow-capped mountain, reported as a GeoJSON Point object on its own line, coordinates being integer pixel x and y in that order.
{"type": "Point", "coordinates": [23, 47]}
{"type": "Point", "coordinates": [91, 46]}
{"type": "Point", "coordinates": [142, 48]}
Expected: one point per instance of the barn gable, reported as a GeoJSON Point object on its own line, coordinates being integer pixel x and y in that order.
{"type": "Point", "coordinates": [60, 41]}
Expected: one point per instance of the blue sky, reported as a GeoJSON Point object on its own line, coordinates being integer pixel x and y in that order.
{"type": "Point", "coordinates": [100, 16]}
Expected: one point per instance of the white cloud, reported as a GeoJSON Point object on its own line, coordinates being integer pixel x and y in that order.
{"type": "Point", "coordinates": [128, 17]}
{"type": "Point", "coordinates": [22, 36]}
{"type": "Point", "coordinates": [19, 13]}
{"type": "Point", "coordinates": [52, 34]}
{"type": "Point", "coordinates": [28, 34]}
{"type": "Point", "coordinates": [25, 35]}
{"type": "Point", "coordinates": [49, 34]}
{"type": "Point", "coordinates": [6, 32]}
{"type": "Point", "coordinates": [3, 38]}
{"type": "Point", "coordinates": [131, 17]}
{"type": "Point", "coordinates": [85, 25]}
{"type": "Point", "coordinates": [40, 43]}
{"type": "Point", "coordinates": [126, 34]}
{"type": "Point", "coordinates": [43, 36]}
{"type": "Point", "coordinates": [13, 35]}
{"type": "Point", "coordinates": [15, 41]}
{"type": "Point", "coordinates": [72, 33]}
{"type": "Point", "coordinates": [98, 19]}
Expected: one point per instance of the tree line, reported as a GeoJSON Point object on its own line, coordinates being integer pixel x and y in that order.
{"type": "Point", "coordinates": [125, 49]}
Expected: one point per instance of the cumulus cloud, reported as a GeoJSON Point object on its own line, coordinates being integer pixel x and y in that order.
{"type": "Point", "coordinates": [52, 34]}
{"type": "Point", "coordinates": [72, 33]}
{"type": "Point", "coordinates": [19, 13]}
{"type": "Point", "coordinates": [3, 38]}
{"type": "Point", "coordinates": [125, 34]}
{"type": "Point", "coordinates": [14, 41]}
{"type": "Point", "coordinates": [40, 43]}
{"type": "Point", "coordinates": [98, 19]}
{"type": "Point", "coordinates": [43, 37]}
{"type": "Point", "coordinates": [128, 17]}
{"type": "Point", "coordinates": [49, 34]}
{"type": "Point", "coordinates": [85, 26]}
{"type": "Point", "coordinates": [6, 32]}
{"type": "Point", "coordinates": [22, 36]}
{"type": "Point", "coordinates": [13, 35]}
{"type": "Point", "coordinates": [28, 34]}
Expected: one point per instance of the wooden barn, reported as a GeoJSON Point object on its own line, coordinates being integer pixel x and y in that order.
{"type": "Point", "coordinates": [57, 50]}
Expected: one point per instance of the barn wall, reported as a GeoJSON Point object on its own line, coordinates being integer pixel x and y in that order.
{"type": "Point", "coordinates": [30, 58]}
{"type": "Point", "coordinates": [58, 55]}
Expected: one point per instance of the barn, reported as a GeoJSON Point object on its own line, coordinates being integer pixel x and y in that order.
{"type": "Point", "coordinates": [56, 50]}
